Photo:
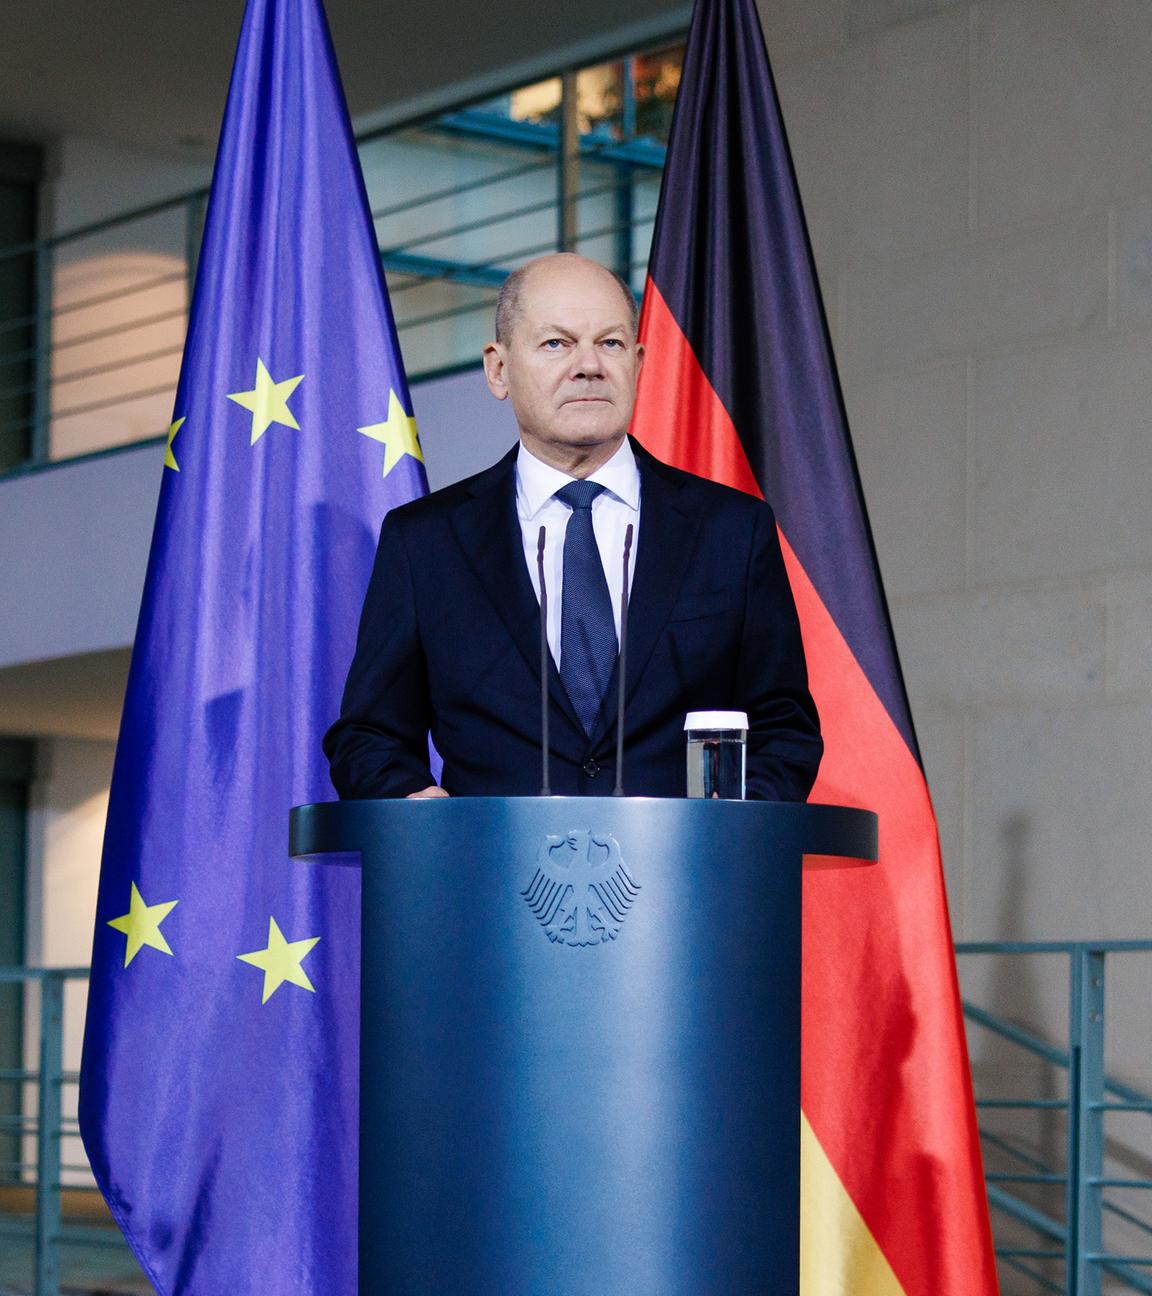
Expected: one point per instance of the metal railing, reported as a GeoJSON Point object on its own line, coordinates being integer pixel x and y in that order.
{"type": "Point", "coordinates": [1065, 1251]}
{"type": "Point", "coordinates": [1061, 1248]}
{"type": "Point", "coordinates": [34, 1245]}
{"type": "Point", "coordinates": [92, 360]}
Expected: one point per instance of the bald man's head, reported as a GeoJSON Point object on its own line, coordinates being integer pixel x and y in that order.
{"type": "Point", "coordinates": [567, 357]}
{"type": "Point", "coordinates": [509, 298]}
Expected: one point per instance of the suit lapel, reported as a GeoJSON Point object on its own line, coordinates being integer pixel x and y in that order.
{"type": "Point", "coordinates": [488, 529]}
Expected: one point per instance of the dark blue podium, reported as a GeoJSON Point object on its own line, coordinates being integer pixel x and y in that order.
{"type": "Point", "coordinates": [580, 1041]}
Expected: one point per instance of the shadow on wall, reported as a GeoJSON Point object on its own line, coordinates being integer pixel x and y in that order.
{"type": "Point", "coordinates": [119, 315]}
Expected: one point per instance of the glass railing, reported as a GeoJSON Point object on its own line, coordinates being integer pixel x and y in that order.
{"type": "Point", "coordinates": [92, 322]}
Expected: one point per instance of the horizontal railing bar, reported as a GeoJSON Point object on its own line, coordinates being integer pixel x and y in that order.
{"type": "Point", "coordinates": [1101, 1182]}
{"type": "Point", "coordinates": [1126, 1215]}
{"type": "Point", "coordinates": [600, 152]}
{"type": "Point", "coordinates": [531, 250]}
{"type": "Point", "coordinates": [615, 228]}
{"type": "Point", "coordinates": [101, 299]}
{"type": "Point", "coordinates": [112, 366]}
{"type": "Point", "coordinates": [99, 335]}
{"type": "Point", "coordinates": [595, 146]}
{"type": "Point", "coordinates": [1026, 1253]}
{"type": "Point", "coordinates": [9, 975]}
{"type": "Point", "coordinates": [89, 1235]}
{"type": "Point", "coordinates": [452, 312]}
{"type": "Point", "coordinates": [1110, 1258]}
{"type": "Point", "coordinates": [423, 271]}
{"type": "Point", "coordinates": [1010, 1149]}
{"type": "Point", "coordinates": [1125, 1092]}
{"type": "Point", "coordinates": [1042, 1048]}
{"type": "Point", "coordinates": [18, 1077]}
{"type": "Point", "coordinates": [500, 218]}
{"type": "Point", "coordinates": [95, 371]}
{"type": "Point", "coordinates": [1144, 1105]}
{"type": "Point", "coordinates": [1026, 1214]}
{"type": "Point", "coordinates": [102, 227]}
{"type": "Point", "coordinates": [1054, 947]}
{"type": "Point", "coordinates": [118, 294]}
{"type": "Point", "coordinates": [111, 1240]}
{"type": "Point", "coordinates": [1017, 1104]}
{"type": "Point", "coordinates": [1026, 1178]}
{"type": "Point", "coordinates": [1028, 1272]}
{"type": "Point", "coordinates": [470, 186]}
{"type": "Point", "coordinates": [1026, 1040]}
{"type": "Point", "coordinates": [94, 407]}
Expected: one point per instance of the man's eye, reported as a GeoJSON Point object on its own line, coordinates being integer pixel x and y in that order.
{"type": "Point", "coordinates": [613, 342]}
{"type": "Point", "coordinates": [553, 343]}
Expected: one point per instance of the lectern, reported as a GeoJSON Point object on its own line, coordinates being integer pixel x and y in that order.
{"type": "Point", "coordinates": [580, 1040]}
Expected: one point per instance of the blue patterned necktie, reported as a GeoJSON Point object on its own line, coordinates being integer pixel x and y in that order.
{"type": "Point", "coordinates": [587, 630]}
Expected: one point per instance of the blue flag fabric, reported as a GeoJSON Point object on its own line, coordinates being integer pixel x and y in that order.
{"type": "Point", "coordinates": [218, 1100]}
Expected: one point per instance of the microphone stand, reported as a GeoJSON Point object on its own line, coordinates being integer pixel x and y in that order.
{"type": "Point", "coordinates": [545, 781]}
{"type": "Point", "coordinates": [618, 790]}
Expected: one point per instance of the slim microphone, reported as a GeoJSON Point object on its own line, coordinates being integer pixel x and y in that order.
{"type": "Point", "coordinates": [545, 783]}
{"type": "Point", "coordinates": [618, 790]}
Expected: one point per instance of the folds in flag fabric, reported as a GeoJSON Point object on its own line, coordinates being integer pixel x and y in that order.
{"type": "Point", "coordinates": [739, 384]}
{"type": "Point", "coordinates": [218, 1096]}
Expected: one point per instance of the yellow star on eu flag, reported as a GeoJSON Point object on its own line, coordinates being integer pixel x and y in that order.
{"type": "Point", "coordinates": [141, 924]}
{"type": "Point", "coordinates": [169, 457]}
{"type": "Point", "coordinates": [281, 961]}
{"type": "Point", "coordinates": [268, 401]}
{"type": "Point", "coordinates": [397, 434]}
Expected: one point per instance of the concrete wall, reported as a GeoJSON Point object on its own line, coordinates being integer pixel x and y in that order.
{"type": "Point", "coordinates": [978, 180]}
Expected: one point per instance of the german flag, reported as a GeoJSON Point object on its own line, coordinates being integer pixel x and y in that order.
{"type": "Point", "coordinates": [740, 385]}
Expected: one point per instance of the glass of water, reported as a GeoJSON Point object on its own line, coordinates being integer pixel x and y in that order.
{"type": "Point", "coordinates": [717, 753]}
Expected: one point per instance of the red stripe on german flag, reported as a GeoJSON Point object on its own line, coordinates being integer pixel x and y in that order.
{"type": "Point", "coordinates": [893, 1196]}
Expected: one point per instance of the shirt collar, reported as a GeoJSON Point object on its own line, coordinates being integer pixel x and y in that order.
{"type": "Point", "coordinates": [537, 482]}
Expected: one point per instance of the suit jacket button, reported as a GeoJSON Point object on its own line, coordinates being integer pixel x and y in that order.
{"type": "Point", "coordinates": [591, 768]}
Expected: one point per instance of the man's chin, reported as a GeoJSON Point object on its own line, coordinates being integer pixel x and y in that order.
{"type": "Point", "coordinates": [589, 423]}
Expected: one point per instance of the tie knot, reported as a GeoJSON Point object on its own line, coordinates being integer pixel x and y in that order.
{"type": "Point", "coordinates": [579, 494]}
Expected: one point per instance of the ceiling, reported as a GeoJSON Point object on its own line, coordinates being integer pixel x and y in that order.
{"type": "Point", "coordinates": [155, 76]}
{"type": "Point", "coordinates": [76, 697]}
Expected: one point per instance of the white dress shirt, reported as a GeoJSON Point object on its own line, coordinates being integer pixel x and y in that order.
{"type": "Point", "coordinates": [612, 510]}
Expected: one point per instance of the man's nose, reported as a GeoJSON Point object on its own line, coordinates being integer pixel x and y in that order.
{"type": "Point", "coordinates": [586, 361]}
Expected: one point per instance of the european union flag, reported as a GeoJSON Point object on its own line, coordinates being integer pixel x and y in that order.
{"type": "Point", "coordinates": [218, 1097]}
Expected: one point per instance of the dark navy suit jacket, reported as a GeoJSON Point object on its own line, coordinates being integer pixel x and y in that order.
{"type": "Point", "coordinates": [449, 642]}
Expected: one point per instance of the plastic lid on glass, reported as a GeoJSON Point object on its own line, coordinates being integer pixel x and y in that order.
{"type": "Point", "coordinates": [716, 720]}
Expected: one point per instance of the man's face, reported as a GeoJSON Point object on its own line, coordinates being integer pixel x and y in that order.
{"type": "Point", "coordinates": [571, 361]}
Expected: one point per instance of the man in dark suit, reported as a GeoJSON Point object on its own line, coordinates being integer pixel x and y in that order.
{"type": "Point", "coordinates": [449, 639]}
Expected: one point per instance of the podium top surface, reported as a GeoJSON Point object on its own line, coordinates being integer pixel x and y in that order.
{"type": "Point", "coordinates": [822, 830]}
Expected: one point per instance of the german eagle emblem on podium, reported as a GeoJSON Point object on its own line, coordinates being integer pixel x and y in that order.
{"type": "Point", "coordinates": [581, 891]}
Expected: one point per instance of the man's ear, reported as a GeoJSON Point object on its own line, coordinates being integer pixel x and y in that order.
{"type": "Point", "coordinates": [639, 358]}
{"type": "Point", "coordinates": [495, 360]}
